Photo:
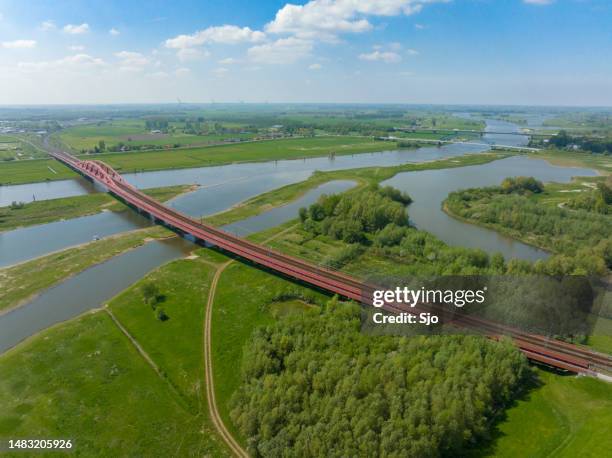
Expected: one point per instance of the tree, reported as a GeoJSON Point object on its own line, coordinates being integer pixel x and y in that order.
{"type": "Point", "coordinates": [150, 294]}
{"type": "Point", "coordinates": [161, 315]}
{"type": "Point", "coordinates": [303, 212]}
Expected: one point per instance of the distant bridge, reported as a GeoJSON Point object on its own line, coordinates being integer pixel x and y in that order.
{"type": "Point", "coordinates": [528, 149]}
{"type": "Point", "coordinates": [537, 348]}
{"type": "Point", "coordinates": [470, 131]}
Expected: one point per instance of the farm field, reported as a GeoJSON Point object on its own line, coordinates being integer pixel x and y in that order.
{"type": "Point", "coordinates": [18, 147]}
{"type": "Point", "coordinates": [134, 134]}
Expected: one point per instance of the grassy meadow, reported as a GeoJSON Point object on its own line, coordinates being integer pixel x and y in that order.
{"type": "Point", "coordinates": [83, 380]}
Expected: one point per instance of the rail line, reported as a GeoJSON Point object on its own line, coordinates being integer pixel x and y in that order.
{"type": "Point", "coordinates": [541, 349]}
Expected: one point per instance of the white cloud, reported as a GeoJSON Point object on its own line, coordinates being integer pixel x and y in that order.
{"type": "Point", "coordinates": [82, 59]}
{"type": "Point", "coordinates": [282, 51]}
{"type": "Point", "coordinates": [182, 71]}
{"type": "Point", "coordinates": [412, 52]}
{"type": "Point", "coordinates": [315, 67]}
{"type": "Point", "coordinates": [539, 2]}
{"type": "Point", "coordinates": [75, 62]}
{"type": "Point", "coordinates": [419, 26]}
{"type": "Point", "coordinates": [228, 61]}
{"type": "Point", "coordinates": [19, 44]}
{"type": "Point", "coordinates": [220, 71]}
{"type": "Point", "coordinates": [131, 61]}
{"type": "Point", "coordinates": [191, 54]}
{"type": "Point", "coordinates": [48, 25]}
{"type": "Point", "coordinates": [114, 32]}
{"type": "Point", "coordinates": [325, 18]}
{"type": "Point", "coordinates": [388, 57]}
{"type": "Point", "coordinates": [226, 34]}
{"type": "Point", "coordinates": [158, 75]}
{"type": "Point", "coordinates": [76, 48]}
{"type": "Point", "coordinates": [76, 29]}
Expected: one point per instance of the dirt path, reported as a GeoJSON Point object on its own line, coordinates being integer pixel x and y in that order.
{"type": "Point", "coordinates": [208, 370]}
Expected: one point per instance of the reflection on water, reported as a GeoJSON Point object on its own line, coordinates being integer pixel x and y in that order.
{"type": "Point", "coordinates": [45, 190]}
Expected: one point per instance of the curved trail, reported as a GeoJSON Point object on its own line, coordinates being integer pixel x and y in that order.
{"type": "Point", "coordinates": [208, 371]}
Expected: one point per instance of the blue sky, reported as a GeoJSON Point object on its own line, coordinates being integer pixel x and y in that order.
{"type": "Point", "coordinates": [535, 52]}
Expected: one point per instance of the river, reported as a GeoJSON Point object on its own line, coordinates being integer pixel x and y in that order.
{"type": "Point", "coordinates": [224, 186]}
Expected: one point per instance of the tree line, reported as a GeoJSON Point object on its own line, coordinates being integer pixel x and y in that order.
{"type": "Point", "coordinates": [594, 145]}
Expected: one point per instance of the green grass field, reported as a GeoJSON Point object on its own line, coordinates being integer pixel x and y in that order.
{"type": "Point", "coordinates": [87, 136]}
{"type": "Point", "coordinates": [562, 416]}
{"type": "Point", "coordinates": [133, 133]}
{"type": "Point", "coordinates": [556, 194]}
{"type": "Point", "coordinates": [30, 171]}
{"type": "Point", "coordinates": [601, 338]}
{"type": "Point", "coordinates": [19, 147]}
{"type": "Point", "coordinates": [83, 380]}
{"type": "Point", "coordinates": [176, 344]}
{"type": "Point", "coordinates": [296, 148]}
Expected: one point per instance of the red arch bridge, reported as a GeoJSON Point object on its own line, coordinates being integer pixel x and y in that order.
{"type": "Point", "coordinates": [540, 349]}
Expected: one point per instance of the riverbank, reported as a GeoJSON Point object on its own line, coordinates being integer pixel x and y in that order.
{"type": "Point", "coordinates": [21, 283]}
{"type": "Point", "coordinates": [600, 162]}
{"type": "Point", "coordinates": [46, 211]}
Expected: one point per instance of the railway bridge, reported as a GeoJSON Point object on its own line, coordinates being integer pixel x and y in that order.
{"type": "Point", "coordinates": [541, 349]}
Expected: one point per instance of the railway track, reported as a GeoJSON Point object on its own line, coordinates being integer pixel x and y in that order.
{"type": "Point", "coordinates": [544, 350]}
